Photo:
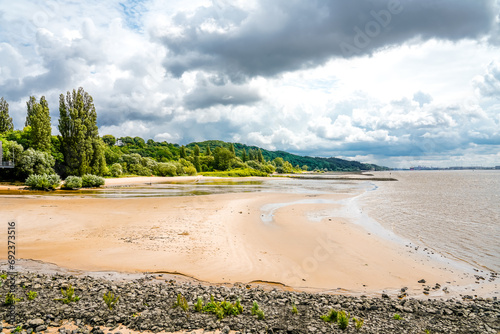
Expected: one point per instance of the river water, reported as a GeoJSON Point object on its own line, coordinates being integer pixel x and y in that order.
{"type": "Point", "coordinates": [454, 213]}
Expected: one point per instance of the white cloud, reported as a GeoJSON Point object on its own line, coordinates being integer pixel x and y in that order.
{"type": "Point", "coordinates": [427, 99]}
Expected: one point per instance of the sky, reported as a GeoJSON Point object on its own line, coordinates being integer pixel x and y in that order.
{"type": "Point", "coordinates": [396, 83]}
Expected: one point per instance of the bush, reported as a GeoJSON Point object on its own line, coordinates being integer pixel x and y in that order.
{"type": "Point", "coordinates": [72, 182]}
{"type": "Point", "coordinates": [116, 170]}
{"type": "Point", "coordinates": [92, 181]}
{"type": "Point", "coordinates": [166, 169]}
{"type": "Point", "coordinates": [191, 170]}
{"type": "Point", "coordinates": [236, 173]}
{"type": "Point", "coordinates": [43, 182]}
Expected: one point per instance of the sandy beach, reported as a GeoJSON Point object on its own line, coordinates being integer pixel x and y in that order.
{"type": "Point", "coordinates": [220, 238]}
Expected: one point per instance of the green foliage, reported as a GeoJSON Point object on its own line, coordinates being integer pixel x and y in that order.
{"type": "Point", "coordinates": [3, 276]}
{"type": "Point", "coordinates": [358, 323]}
{"type": "Point", "coordinates": [18, 329]}
{"type": "Point", "coordinates": [222, 158]}
{"type": "Point", "coordinates": [294, 309]}
{"type": "Point", "coordinates": [198, 307]}
{"type": "Point", "coordinates": [35, 162]}
{"type": "Point", "coordinates": [10, 299]}
{"type": "Point", "coordinates": [69, 295]}
{"type": "Point", "coordinates": [220, 309]}
{"type": "Point", "coordinates": [110, 299]}
{"type": "Point", "coordinates": [5, 120]}
{"type": "Point", "coordinates": [38, 119]}
{"type": "Point", "coordinates": [109, 140]}
{"type": "Point", "coordinates": [92, 181]}
{"type": "Point", "coordinates": [343, 320]}
{"type": "Point", "coordinates": [396, 317]}
{"type": "Point", "coordinates": [31, 295]}
{"type": "Point", "coordinates": [331, 316]}
{"type": "Point", "coordinates": [81, 146]}
{"type": "Point", "coordinates": [43, 182]}
{"type": "Point", "coordinates": [236, 173]}
{"type": "Point", "coordinates": [181, 302]}
{"type": "Point", "coordinates": [116, 170]}
{"type": "Point", "coordinates": [73, 182]}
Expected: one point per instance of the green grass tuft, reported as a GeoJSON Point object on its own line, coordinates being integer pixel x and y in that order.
{"type": "Point", "coordinates": [110, 299]}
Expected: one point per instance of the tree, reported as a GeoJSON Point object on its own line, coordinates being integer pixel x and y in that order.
{"type": "Point", "coordinates": [222, 158]}
{"type": "Point", "coordinates": [244, 157]}
{"type": "Point", "coordinates": [6, 124]}
{"type": "Point", "coordinates": [35, 162]}
{"type": "Point", "coordinates": [260, 158]}
{"type": "Point", "coordinates": [207, 151]}
{"type": "Point", "coordinates": [182, 152]}
{"type": "Point", "coordinates": [38, 119]}
{"type": "Point", "coordinates": [231, 148]}
{"type": "Point", "coordinates": [109, 140]}
{"type": "Point", "coordinates": [81, 146]}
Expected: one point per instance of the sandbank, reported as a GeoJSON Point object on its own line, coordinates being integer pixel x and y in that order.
{"type": "Point", "coordinates": [221, 238]}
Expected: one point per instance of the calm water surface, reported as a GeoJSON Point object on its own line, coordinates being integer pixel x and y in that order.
{"type": "Point", "coordinates": [456, 213]}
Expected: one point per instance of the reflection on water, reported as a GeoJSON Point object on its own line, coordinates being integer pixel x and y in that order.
{"type": "Point", "coordinates": [207, 186]}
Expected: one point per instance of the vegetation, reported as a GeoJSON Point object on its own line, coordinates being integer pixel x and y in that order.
{"type": "Point", "coordinates": [5, 120]}
{"type": "Point", "coordinates": [79, 150]}
{"type": "Point", "coordinates": [31, 295]}
{"type": "Point", "coordinates": [220, 309]}
{"type": "Point", "coordinates": [396, 317]}
{"type": "Point", "coordinates": [330, 317]}
{"type": "Point", "coordinates": [110, 299]}
{"type": "Point", "coordinates": [92, 181]}
{"type": "Point", "coordinates": [343, 320]}
{"type": "Point", "coordinates": [257, 311]}
{"type": "Point", "coordinates": [69, 295]}
{"type": "Point", "coordinates": [181, 302]}
{"type": "Point", "coordinates": [43, 182]}
{"type": "Point", "coordinates": [10, 299]}
{"type": "Point", "coordinates": [358, 323]}
{"type": "Point", "coordinates": [72, 182]}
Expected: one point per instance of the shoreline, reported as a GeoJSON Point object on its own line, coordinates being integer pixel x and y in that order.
{"type": "Point", "coordinates": [223, 238]}
{"type": "Point", "coordinates": [147, 304]}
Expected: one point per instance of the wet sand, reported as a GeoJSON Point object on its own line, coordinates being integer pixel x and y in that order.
{"type": "Point", "coordinates": [221, 238]}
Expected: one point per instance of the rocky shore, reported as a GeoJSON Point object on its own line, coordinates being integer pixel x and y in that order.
{"type": "Point", "coordinates": [146, 304]}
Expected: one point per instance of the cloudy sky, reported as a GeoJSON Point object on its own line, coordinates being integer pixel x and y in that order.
{"type": "Point", "coordinates": [397, 83]}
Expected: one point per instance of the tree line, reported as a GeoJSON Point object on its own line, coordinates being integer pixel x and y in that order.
{"type": "Point", "coordinates": [79, 150]}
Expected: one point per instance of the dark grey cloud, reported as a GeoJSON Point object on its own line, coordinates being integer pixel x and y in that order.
{"type": "Point", "coordinates": [286, 35]}
{"type": "Point", "coordinates": [206, 95]}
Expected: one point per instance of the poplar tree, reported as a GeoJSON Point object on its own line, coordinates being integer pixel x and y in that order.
{"type": "Point", "coordinates": [38, 119]}
{"type": "Point", "coordinates": [196, 160]}
{"type": "Point", "coordinates": [244, 157]}
{"type": "Point", "coordinates": [6, 124]}
{"type": "Point", "coordinates": [81, 146]}
{"type": "Point", "coordinates": [208, 152]}
{"type": "Point", "coordinates": [182, 152]}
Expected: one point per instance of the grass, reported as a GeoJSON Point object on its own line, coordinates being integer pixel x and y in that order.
{"type": "Point", "coordinates": [10, 299]}
{"type": "Point", "coordinates": [330, 317]}
{"type": "Point", "coordinates": [257, 311]}
{"type": "Point", "coordinates": [110, 299]}
{"type": "Point", "coordinates": [241, 172]}
{"type": "Point", "coordinates": [294, 309]}
{"type": "Point", "coordinates": [343, 320]}
{"type": "Point", "coordinates": [220, 309]}
{"type": "Point", "coordinates": [69, 295]}
{"type": "Point", "coordinates": [396, 317]}
{"type": "Point", "coordinates": [358, 323]}
{"type": "Point", "coordinates": [181, 302]}
{"type": "Point", "coordinates": [31, 295]}
{"type": "Point", "coordinates": [18, 329]}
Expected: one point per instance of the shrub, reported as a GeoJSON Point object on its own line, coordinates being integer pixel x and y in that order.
{"type": "Point", "coordinates": [31, 295]}
{"type": "Point", "coordinates": [220, 309]}
{"type": "Point", "coordinates": [330, 317]}
{"type": "Point", "coordinates": [69, 295]}
{"type": "Point", "coordinates": [110, 299]}
{"type": "Point", "coordinates": [396, 317]}
{"type": "Point", "coordinates": [43, 182]}
{"type": "Point", "coordinates": [166, 169]}
{"type": "Point", "coordinates": [358, 323]}
{"type": "Point", "coordinates": [181, 302]}
{"type": "Point", "coordinates": [73, 182]}
{"type": "Point", "coordinates": [92, 181]}
{"type": "Point", "coordinates": [198, 307]}
{"type": "Point", "coordinates": [343, 320]}
{"type": "Point", "coordinates": [191, 170]}
{"type": "Point", "coordinates": [116, 170]}
{"type": "Point", "coordinates": [257, 311]}
{"type": "Point", "coordinates": [10, 299]}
